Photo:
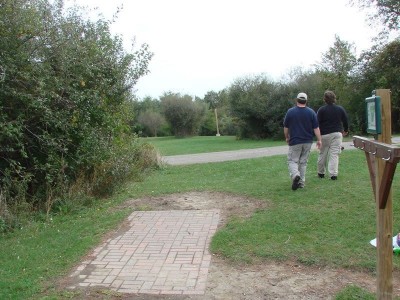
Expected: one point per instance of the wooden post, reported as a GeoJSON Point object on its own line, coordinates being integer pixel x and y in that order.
{"type": "Point", "coordinates": [384, 215]}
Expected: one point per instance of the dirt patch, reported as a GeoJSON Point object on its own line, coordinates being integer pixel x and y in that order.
{"type": "Point", "coordinates": [265, 280]}
{"type": "Point", "coordinates": [229, 205]}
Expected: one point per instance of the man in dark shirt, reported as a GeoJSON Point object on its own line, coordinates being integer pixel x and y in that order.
{"type": "Point", "coordinates": [300, 126]}
{"type": "Point", "coordinates": [333, 124]}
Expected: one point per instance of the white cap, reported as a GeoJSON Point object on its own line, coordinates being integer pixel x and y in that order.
{"type": "Point", "coordinates": [302, 96]}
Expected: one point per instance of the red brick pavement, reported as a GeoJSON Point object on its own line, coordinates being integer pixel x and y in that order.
{"type": "Point", "coordinates": [163, 252]}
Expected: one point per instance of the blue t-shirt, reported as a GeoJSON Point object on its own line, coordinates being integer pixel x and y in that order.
{"type": "Point", "coordinates": [301, 122]}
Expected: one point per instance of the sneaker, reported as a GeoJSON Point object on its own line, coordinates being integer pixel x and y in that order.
{"type": "Point", "coordinates": [295, 183]}
{"type": "Point", "coordinates": [334, 177]}
{"type": "Point", "coordinates": [321, 175]}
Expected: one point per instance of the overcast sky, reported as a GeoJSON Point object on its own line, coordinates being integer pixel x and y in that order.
{"type": "Point", "coordinates": [204, 45]}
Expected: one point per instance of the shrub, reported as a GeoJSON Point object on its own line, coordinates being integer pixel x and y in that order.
{"type": "Point", "coordinates": [64, 104]}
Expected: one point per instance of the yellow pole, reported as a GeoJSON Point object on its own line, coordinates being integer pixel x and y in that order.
{"type": "Point", "coordinates": [216, 120]}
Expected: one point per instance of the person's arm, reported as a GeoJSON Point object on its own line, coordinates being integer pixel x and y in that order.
{"type": "Point", "coordinates": [319, 138]}
{"type": "Point", "coordinates": [286, 132]}
{"type": "Point", "coordinates": [345, 122]}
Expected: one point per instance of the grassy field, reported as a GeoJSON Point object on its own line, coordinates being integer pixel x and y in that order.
{"type": "Point", "coordinates": [328, 223]}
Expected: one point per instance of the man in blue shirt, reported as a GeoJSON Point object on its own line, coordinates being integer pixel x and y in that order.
{"type": "Point", "coordinates": [300, 126]}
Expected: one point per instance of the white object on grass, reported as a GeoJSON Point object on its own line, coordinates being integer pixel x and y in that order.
{"type": "Point", "coordinates": [373, 242]}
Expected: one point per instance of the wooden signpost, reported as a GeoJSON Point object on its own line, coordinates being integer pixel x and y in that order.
{"type": "Point", "coordinates": [382, 158]}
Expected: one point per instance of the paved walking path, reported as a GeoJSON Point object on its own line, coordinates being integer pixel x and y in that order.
{"type": "Point", "coordinates": [200, 158]}
{"type": "Point", "coordinates": [239, 154]}
{"type": "Point", "coordinates": [162, 252]}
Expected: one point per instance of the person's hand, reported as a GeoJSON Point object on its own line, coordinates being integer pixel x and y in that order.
{"type": "Point", "coordinates": [319, 144]}
{"type": "Point", "coordinates": [344, 133]}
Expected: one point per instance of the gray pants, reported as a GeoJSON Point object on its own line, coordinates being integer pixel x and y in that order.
{"type": "Point", "coordinates": [297, 159]}
{"type": "Point", "coordinates": [328, 157]}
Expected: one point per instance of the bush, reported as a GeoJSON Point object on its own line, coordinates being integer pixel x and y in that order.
{"type": "Point", "coordinates": [64, 105]}
{"type": "Point", "coordinates": [126, 163]}
{"type": "Point", "coordinates": [183, 114]}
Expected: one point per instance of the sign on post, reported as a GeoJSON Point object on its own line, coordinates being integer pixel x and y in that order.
{"type": "Point", "coordinates": [373, 114]}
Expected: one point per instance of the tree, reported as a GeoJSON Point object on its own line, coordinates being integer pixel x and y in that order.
{"type": "Point", "coordinates": [259, 106]}
{"type": "Point", "coordinates": [380, 70]}
{"type": "Point", "coordinates": [142, 108]}
{"type": "Point", "coordinates": [214, 102]}
{"type": "Point", "coordinates": [388, 11]}
{"type": "Point", "coordinates": [212, 99]}
{"type": "Point", "coordinates": [337, 67]}
{"type": "Point", "coordinates": [219, 104]}
{"type": "Point", "coordinates": [208, 126]}
{"type": "Point", "coordinates": [309, 81]}
{"type": "Point", "coordinates": [152, 121]}
{"type": "Point", "coordinates": [183, 114]}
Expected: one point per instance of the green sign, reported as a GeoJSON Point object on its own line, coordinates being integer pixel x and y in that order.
{"type": "Point", "coordinates": [373, 114]}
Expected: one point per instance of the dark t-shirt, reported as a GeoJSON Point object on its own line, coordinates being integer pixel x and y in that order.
{"type": "Point", "coordinates": [332, 118]}
{"type": "Point", "coordinates": [301, 122]}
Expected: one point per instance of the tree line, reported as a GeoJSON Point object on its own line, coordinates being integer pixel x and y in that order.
{"type": "Point", "coordinates": [254, 106]}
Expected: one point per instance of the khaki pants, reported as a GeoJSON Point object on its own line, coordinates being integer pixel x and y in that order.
{"type": "Point", "coordinates": [329, 153]}
{"type": "Point", "coordinates": [297, 159]}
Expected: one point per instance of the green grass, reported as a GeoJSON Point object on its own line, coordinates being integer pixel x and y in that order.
{"type": "Point", "coordinates": [354, 293]}
{"type": "Point", "coordinates": [328, 223]}
{"type": "Point", "coordinates": [203, 144]}
{"type": "Point", "coordinates": [33, 257]}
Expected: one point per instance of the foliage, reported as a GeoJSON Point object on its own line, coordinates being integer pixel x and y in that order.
{"type": "Point", "coordinates": [259, 106]}
{"type": "Point", "coordinates": [308, 81]}
{"type": "Point", "coordinates": [212, 99]}
{"type": "Point", "coordinates": [182, 113]}
{"type": "Point", "coordinates": [339, 60]}
{"type": "Point", "coordinates": [146, 110]}
{"type": "Point", "coordinates": [388, 11]}
{"type": "Point", "coordinates": [218, 103]}
{"type": "Point", "coordinates": [64, 100]}
{"type": "Point", "coordinates": [338, 71]}
{"type": "Point", "coordinates": [380, 69]}
{"type": "Point", "coordinates": [337, 67]}
{"type": "Point", "coordinates": [128, 161]}
{"type": "Point", "coordinates": [209, 125]}
{"type": "Point", "coordinates": [152, 121]}
{"type": "Point", "coordinates": [378, 65]}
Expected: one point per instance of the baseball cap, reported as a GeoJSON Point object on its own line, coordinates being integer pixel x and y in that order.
{"type": "Point", "coordinates": [302, 96]}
